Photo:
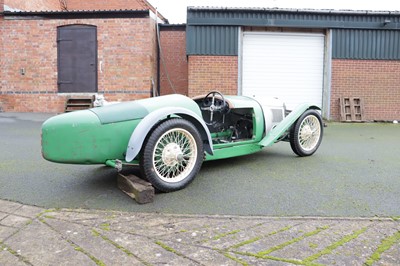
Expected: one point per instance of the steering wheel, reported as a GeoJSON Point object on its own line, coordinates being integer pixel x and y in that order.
{"type": "Point", "coordinates": [222, 108]}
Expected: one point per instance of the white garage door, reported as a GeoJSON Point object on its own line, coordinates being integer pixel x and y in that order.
{"type": "Point", "coordinates": [288, 66]}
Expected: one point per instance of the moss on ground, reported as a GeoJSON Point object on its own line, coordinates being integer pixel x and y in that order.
{"type": "Point", "coordinates": [329, 249]}
{"type": "Point", "coordinates": [386, 244]}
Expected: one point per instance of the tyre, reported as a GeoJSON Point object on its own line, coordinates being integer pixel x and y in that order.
{"type": "Point", "coordinates": [172, 155]}
{"type": "Point", "coordinates": [306, 133]}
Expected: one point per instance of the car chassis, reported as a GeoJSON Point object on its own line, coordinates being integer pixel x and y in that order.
{"type": "Point", "coordinates": [170, 136]}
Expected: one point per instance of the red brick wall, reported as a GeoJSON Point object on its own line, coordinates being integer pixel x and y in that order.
{"type": "Point", "coordinates": [106, 5]}
{"type": "Point", "coordinates": [208, 73]}
{"type": "Point", "coordinates": [1, 50]}
{"type": "Point", "coordinates": [173, 45]}
{"type": "Point", "coordinates": [42, 5]}
{"type": "Point", "coordinates": [36, 5]}
{"type": "Point", "coordinates": [376, 81]}
{"type": "Point", "coordinates": [126, 57]}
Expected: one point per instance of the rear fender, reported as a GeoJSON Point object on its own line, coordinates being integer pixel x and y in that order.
{"type": "Point", "coordinates": [274, 134]}
{"type": "Point", "coordinates": [143, 128]}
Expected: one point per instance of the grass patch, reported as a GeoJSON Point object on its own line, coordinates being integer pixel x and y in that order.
{"type": "Point", "coordinates": [229, 256]}
{"type": "Point", "coordinates": [225, 234]}
{"type": "Point", "coordinates": [264, 257]}
{"type": "Point", "coordinates": [127, 252]}
{"type": "Point", "coordinates": [93, 258]}
{"type": "Point", "coordinates": [386, 244]}
{"type": "Point", "coordinates": [258, 238]}
{"type": "Point", "coordinates": [4, 247]}
{"type": "Point", "coordinates": [105, 226]}
{"type": "Point", "coordinates": [118, 246]}
{"type": "Point", "coordinates": [290, 242]}
{"type": "Point", "coordinates": [168, 248]}
{"type": "Point", "coordinates": [330, 248]}
{"type": "Point", "coordinates": [395, 218]}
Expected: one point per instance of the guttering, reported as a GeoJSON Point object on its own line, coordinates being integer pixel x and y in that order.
{"type": "Point", "coordinates": [74, 14]}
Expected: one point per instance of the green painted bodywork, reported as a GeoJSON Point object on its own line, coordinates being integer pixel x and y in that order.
{"type": "Point", "coordinates": [234, 149]}
{"type": "Point", "coordinates": [101, 135]}
{"type": "Point", "coordinates": [258, 116]}
{"type": "Point", "coordinates": [133, 110]}
{"type": "Point", "coordinates": [80, 138]}
{"type": "Point", "coordinates": [285, 124]}
{"type": "Point", "coordinates": [241, 148]}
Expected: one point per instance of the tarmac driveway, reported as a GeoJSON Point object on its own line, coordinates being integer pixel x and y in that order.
{"type": "Point", "coordinates": [356, 172]}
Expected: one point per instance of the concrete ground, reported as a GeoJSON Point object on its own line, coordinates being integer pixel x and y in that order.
{"type": "Point", "coordinates": [338, 207]}
{"type": "Point", "coordinates": [36, 236]}
{"type": "Point", "coordinates": [355, 173]}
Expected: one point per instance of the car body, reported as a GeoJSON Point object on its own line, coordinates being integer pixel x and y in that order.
{"type": "Point", "coordinates": [170, 136]}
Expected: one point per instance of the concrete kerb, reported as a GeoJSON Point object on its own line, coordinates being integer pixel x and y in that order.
{"type": "Point", "coordinates": [36, 236]}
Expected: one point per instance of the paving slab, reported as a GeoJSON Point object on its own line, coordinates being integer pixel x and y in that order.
{"type": "Point", "coordinates": [7, 258]}
{"type": "Point", "coordinates": [6, 231]}
{"type": "Point", "coordinates": [89, 240]}
{"type": "Point", "coordinates": [40, 245]}
{"type": "Point", "coordinates": [391, 256]}
{"type": "Point", "coordinates": [28, 211]}
{"type": "Point", "coordinates": [318, 242]}
{"type": "Point", "coordinates": [15, 221]}
{"type": "Point", "coordinates": [93, 237]}
{"type": "Point", "coordinates": [200, 254]}
{"type": "Point", "coordinates": [9, 206]}
{"type": "Point", "coordinates": [3, 215]}
{"type": "Point", "coordinates": [150, 250]}
{"type": "Point", "coordinates": [364, 245]}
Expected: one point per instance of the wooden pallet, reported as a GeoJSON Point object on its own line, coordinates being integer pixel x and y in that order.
{"type": "Point", "coordinates": [78, 103]}
{"type": "Point", "coordinates": [351, 109]}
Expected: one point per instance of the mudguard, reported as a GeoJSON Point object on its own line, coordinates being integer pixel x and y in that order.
{"type": "Point", "coordinates": [285, 124]}
{"type": "Point", "coordinates": [143, 128]}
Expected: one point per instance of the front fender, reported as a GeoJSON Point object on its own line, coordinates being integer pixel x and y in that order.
{"type": "Point", "coordinates": [285, 124]}
{"type": "Point", "coordinates": [143, 128]}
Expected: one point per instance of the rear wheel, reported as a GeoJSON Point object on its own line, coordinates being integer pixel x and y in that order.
{"type": "Point", "coordinates": [306, 134]}
{"type": "Point", "coordinates": [172, 155]}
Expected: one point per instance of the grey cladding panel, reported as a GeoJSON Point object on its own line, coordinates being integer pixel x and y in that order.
{"type": "Point", "coordinates": [212, 40]}
{"type": "Point", "coordinates": [366, 44]}
{"type": "Point", "coordinates": [356, 34]}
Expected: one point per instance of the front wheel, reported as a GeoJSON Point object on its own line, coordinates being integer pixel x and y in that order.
{"type": "Point", "coordinates": [306, 134]}
{"type": "Point", "coordinates": [172, 155]}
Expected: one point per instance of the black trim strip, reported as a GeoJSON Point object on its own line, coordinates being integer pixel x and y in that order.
{"type": "Point", "coordinates": [72, 93]}
{"type": "Point", "coordinates": [77, 14]}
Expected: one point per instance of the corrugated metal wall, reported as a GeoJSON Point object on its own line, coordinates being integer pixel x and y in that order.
{"type": "Point", "coordinates": [294, 18]}
{"type": "Point", "coordinates": [212, 40]}
{"type": "Point", "coordinates": [365, 44]}
{"type": "Point", "coordinates": [356, 35]}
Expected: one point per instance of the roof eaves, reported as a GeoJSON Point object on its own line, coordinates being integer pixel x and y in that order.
{"type": "Point", "coordinates": [295, 10]}
{"type": "Point", "coordinates": [154, 10]}
{"type": "Point", "coordinates": [79, 13]}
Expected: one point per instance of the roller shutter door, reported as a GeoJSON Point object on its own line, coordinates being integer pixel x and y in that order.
{"type": "Point", "coordinates": [288, 66]}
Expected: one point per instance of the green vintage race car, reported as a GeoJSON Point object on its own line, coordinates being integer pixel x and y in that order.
{"type": "Point", "coordinates": [170, 136]}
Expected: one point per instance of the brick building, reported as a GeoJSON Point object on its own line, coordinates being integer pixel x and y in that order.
{"type": "Point", "coordinates": [298, 55]}
{"type": "Point", "coordinates": [53, 49]}
{"type": "Point", "coordinates": [173, 63]}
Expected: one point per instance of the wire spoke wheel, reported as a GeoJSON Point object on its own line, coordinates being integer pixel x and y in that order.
{"type": "Point", "coordinates": [172, 155]}
{"type": "Point", "coordinates": [306, 133]}
{"type": "Point", "coordinates": [310, 131]}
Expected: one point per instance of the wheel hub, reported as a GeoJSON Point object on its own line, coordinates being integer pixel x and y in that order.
{"type": "Point", "coordinates": [172, 154]}
{"type": "Point", "coordinates": [306, 132]}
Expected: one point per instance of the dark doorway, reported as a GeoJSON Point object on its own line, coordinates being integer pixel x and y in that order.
{"type": "Point", "coordinates": [77, 58]}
